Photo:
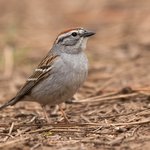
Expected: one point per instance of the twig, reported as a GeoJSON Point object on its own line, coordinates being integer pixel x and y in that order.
{"type": "Point", "coordinates": [20, 132]}
{"type": "Point", "coordinates": [94, 141]}
{"type": "Point", "coordinates": [116, 141]}
{"type": "Point", "coordinates": [36, 146]}
{"type": "Point", "coordinates": [99, 99]}
{"type": "Point", "coordinates": [85, 118]}
{"type": "Point", "coordinates": [110, 90]}
{"type": "Point", "coordinates": [124, 114]}
{"type": "Point", "coordinates": [111, 93]}
{"type": "Point", "coordinates": [133, 123]}
{"type": "Point", "coordinates": [135, 129]}
{"type": "Point", "coordinates": [51, 129]}
{"type": "Point", "coordinates": [32, 119]}
{"type": "Point", "coordinates": [10, 131]}
{"type": "Point", "coordinates": [120, 124]}
{"type": "Point", "coordinates": [13, 142]}
{"type": "Point", "coordinates": [41, 130]}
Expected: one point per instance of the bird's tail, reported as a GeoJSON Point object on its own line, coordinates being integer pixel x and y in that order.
{"type": "Point", "coordinates": [9, 103]}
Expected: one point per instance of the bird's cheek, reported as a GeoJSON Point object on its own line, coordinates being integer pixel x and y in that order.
{"type": "Point", "coordinates": [84, 43]}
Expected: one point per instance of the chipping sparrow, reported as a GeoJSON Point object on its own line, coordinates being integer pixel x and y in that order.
{"type": "Point", "coordinates": [60, 73]}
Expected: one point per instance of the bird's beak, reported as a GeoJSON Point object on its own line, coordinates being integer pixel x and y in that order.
{"type": "Point", "coordinates": [88, 33]}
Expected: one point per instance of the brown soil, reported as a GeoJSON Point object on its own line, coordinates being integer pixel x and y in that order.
{"type": "Point", "coordinates": [112, 109]}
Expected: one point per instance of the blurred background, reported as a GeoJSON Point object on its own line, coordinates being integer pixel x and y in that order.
{"type": "Point", "coordinates": [118, 53]}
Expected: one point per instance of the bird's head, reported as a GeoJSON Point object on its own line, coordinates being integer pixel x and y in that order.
{"type": "Point", "coordinates": [73, 40]}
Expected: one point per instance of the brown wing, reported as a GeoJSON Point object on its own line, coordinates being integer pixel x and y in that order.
{"type": "Point", "coordinates": [43, 69]}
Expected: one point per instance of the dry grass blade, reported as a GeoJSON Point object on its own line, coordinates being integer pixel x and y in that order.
{"type": "Point", "coordinates": [146, 121]}
{"type": "Point", "coordinates": [116, 141]}
{"type": "Point", "coordinates": [16, 141]}
{"type": "Point", "coordinates": [126, 114]}
{"type": "Point", "coordinates": [99, 99]}
{"type": "Point", "coordinates": [10, 131]}
{"type": "Point", "coordinates": [98, 142]}
{"type": "Point", "coordinates": [51, 129]}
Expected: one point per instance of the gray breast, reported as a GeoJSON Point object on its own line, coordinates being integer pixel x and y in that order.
{"type": "Point", "coordinates": [76, 66]}
{"type": "Point", "coordinates": [68, 75]}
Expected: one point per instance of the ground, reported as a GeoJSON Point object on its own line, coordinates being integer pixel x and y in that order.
{"type": "Point", "coordinates": [112, 109]}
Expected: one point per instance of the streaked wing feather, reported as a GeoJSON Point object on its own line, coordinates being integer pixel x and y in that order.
{"type": "Point", "coordinates": [42, 71]}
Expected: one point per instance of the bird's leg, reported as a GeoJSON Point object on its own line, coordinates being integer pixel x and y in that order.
{"type": "Point", "coordinates": [64, 114]}
{"type": "Point", "coordinates": [45, 114]}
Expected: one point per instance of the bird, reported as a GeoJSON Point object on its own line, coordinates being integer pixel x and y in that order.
{"type": "Point", "coordinates": [60, 73]}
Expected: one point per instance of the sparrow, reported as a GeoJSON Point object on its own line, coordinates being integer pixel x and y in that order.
{"type": "Point", "coordinates": [60, 73]}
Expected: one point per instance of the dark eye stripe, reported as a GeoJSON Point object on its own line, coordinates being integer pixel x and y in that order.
{"type": "Point", "coordinates": [62, 38]}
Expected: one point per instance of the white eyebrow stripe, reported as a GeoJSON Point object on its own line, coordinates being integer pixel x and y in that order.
{"type": "Point", "coordinates": [65, 35]}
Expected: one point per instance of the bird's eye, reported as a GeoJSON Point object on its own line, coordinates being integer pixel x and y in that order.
{"type": "Point", "coordinates": [74, 34]}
